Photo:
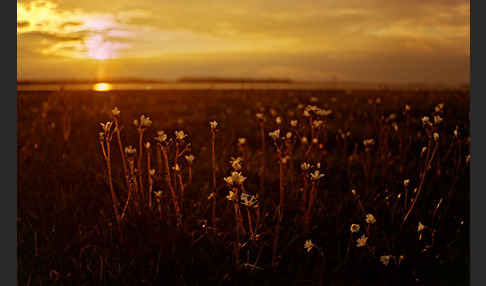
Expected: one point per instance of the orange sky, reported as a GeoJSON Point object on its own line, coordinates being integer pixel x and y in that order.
{"type": "Point", "coordinates": [372, 40]}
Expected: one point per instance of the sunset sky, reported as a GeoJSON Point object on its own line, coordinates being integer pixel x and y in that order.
{"type": "Point", "coordinates": [359, 40]}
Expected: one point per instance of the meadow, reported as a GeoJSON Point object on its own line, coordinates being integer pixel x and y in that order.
{"type": "Point", "coordinates": [243, 187]}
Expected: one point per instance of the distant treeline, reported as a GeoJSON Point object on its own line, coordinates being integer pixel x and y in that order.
{"type": "Point", "coordinates": [137, 80]}
{"type": "Point", "coordinates": [233, 80]}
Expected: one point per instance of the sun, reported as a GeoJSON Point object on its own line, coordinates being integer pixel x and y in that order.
{"type": "Point", "coordinates": [102, 86]}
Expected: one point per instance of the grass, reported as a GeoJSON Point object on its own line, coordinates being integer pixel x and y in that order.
{"type": "Point", "coordinates": [91, 218]}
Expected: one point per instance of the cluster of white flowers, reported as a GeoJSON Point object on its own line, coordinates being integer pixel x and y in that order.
{"type": "Point", "coordinates": [368, 142]}
{"type": "Point", "coordinates": [439, 107]}
{"type": "Point", "coordinates": [317, 123]}
{"type": "Point", "coordinates": [129, 150]}
{"type": "Point", "coordinates": [189, 158]}
{"type": "Point", "coordinates": [161, 136]}
{"type": "Point", "coordinates": [231, 196]}
{"type": "Point", "coordinates": [360, 242]}
{"type": "Point", "coordinates": [180, 135]}
{"type": "Point", "coordinates": [115, 111]}
{"type": "Point", "coordinates": [426, 121]}
{"type": "Point", "coordinates": [236, 178]}
{"type": "Point", "coordinates": [316, 175]}
{"type": "Point", "coordinates": [249, 200]}
{"type": "Point", "coordinates": [305, 166]}
{"type": "Point", "coordinates": [213, 124]}
{"type": "Point", "coordinates": [437, 119]}
{"type": "Point", "coordinates": [143, 123]}
{"type": "Point", "coordinates": [370, 219]}
{"type": "Point", "coordinates": [236, 163]}
{"type": "Point", "coordinates": [274, 134]}
{"type": "Point", "coordinates": [385, 259]}
{"type": "Point", "coordinates": [106, 126]}
{"type": "Point", "coordinates": [312, 109]}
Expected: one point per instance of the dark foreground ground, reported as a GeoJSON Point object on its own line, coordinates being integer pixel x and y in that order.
{"type": "Point", "coordinates": [67, 232]}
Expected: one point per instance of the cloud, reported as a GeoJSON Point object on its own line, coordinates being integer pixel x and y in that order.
{"type": "Point", "coordinates": [352, 39]}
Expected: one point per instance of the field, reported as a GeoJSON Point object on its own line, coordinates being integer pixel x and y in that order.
{"type": "Point", "coordinates": [85, 220]}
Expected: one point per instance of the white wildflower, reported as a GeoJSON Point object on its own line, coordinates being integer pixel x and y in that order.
{"type": "Point", "coordinates": [236, 163]}
{"type": "Point", "coordinates": [161, 136]}
{"type": "Point", "coordinates": [420, 227]}
{"type": "Point", "coordinates": [274, 134]}
{"type": "Point", "coordinates": [305, 166]}
{"type": "Point", "coordinates": [406, 182]}
{"type": "Point", "coordinates": [385, 259]}
{"type": "Point", "coordinates": [370, 219]}
{"type": "Point", "coordinates": [360, 242]}
{"type": "Point", "coordinates": [231, 196]}
{"type": "Point", "coordinates": [436, 136]}
{"type": "Point", "coordinates": [236, 178]}
{"type": "Point", "coordinates": [308, 245]}
{"type": "Point", "coordinates": [316, 175]}
{"type": "Point", "coordinates": [293, 123]}
{"type": "Point", "coordinates": [354, 227]}
{"type": "Point", "coordinates": [115, 111]}
{"type": "Point", "coordinates": [213, 124]}
{"type": "Point", "coordinates": [129, 150]}
{"type": "Point", "coordinates": [180, 135]}
{"type": "Point", "coordinates": [189, 158]}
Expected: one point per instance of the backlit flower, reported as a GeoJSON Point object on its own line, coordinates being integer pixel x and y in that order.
{"type": "Point", "coordinates": [106, 126]}
{"type": "Point", "coordinates": [241, 141]}
{"type": "Point", "coordinates": [236, 163]}
{"type": "Point", "coordinates": [115, 111]}
{"type": "Point", "coordinates": [436, 136]}
{"type": "Point", "coordinates": [385, 259]}
{"type": "Point", "coordinates": [274, 134]}
{"type": "Point", "coordinates": [278, 120]}
{"type": "Point", "coordinates": [406, 182]}
{"type": "Point", "coordinates": [129, 150]}
{"type": "Point", "coordinates": [231, 196]}
{"type": "Point", "coordinates": [354, 227]}
{"type": "Point", "coordinates": [316, 175]}
{"type": "Point", "coordinates": [305, 166]}
{"type": "Point", "coordinates": [213, 124]}
{"type": "Point", "coordinates": [161, 136]}
{"type": "Point", "coordinates": [293, 123]}
{"type": "Point", "coordinates": [189, 158]}
{"type": "Point", "coordinates": [370, 219]}
{"type": "Point", "coordinates": [360, 242]}
{"type": "Point", "coordinates": [180, 135]}
{"type": "Point", "coordinates": [308, 245]}
{"type": "Point", "coordinates": [249, 200]}
{"type": "Point", "coordinates": [420, 227]}
{"type": "Point", "coordinates": [236, 178]}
